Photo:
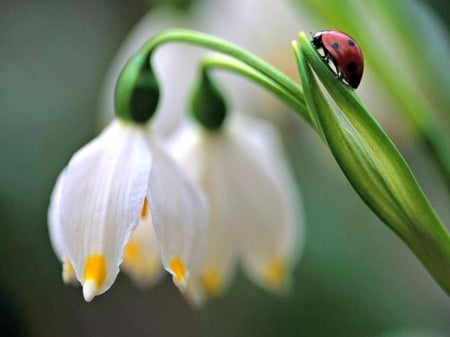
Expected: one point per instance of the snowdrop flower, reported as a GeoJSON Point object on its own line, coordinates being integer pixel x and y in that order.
{"type": "Point", "coordinates": [255, 214]}
{"type": "Point", "coordinates": [114, 190]}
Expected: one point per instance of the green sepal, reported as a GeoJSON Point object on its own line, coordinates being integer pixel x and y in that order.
{"type": "Point", "coordinates": [372, 163]}
{"type": "Point", "coordinates": [137, 90]}
{"type": "Point", "coordinates": [208, 105]}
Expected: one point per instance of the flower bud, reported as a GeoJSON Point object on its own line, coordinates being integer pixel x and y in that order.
{"type": "Point", "coordinates": [137, 90]}
{"type": "Point", "coordinates": [208, 106]}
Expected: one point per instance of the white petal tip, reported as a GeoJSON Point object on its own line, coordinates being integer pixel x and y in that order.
{"type": "Point", "coordinates": [194, 296]}
{"type": "Point", "coordinates": [276, 275]}
{"type": "Point", "coordinates": [181, 284]}
{"type": "Point", "coordinates": [89, 290]}
{"type": "Point", "coordinates": [179, 273]}
{"type": "Point", "coordinates": [68, 273]}
{"type": "Point", "coordinates": [66, 279]}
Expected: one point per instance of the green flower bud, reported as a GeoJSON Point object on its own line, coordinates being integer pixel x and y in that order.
{"type": "Point", "coordinates": [137, 90]}
{"type": "Point", "coordinates": [208, 105]}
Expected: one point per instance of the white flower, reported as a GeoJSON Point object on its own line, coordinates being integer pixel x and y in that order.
{"type": "Point", "coordinates": [255, 210]}
{"type": "Point", "coordinates": [119, 180]}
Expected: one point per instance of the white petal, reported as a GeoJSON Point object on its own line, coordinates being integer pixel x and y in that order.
{"type": "Point", "coordinates": [254, 206]}
{"type": "Point", "coordinates": [141, 258]}
{"type": "Point", "coordinates": [54, 228]}
{"type": "Point", "coordinates": [54, 222]}
{"type": "Point", "coordinates": [202, 155]}
{"type": "Point", "coordinates": [179, 214]}
{"type": "Point", "coordinates": [270, 226]}
{"type": "Point", "coordinates": [102, 194]}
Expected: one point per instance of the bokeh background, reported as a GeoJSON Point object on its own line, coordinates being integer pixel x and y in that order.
{"type": "Point", "coordinates": [356, 278]}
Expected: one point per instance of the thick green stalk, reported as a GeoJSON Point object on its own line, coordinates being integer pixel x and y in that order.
{"type": "Point", "coordinates": [373, 165]}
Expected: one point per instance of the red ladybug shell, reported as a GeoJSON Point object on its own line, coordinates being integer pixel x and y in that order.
{"type": "Point", "coordinates": [342, 50]}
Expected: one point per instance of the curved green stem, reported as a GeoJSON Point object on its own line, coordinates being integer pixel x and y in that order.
{"type": "Point", "coordinates": [282, 82]}
{"type": "Point", "coordinates": [235, 66]}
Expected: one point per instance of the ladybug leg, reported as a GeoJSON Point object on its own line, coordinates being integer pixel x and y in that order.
{"type": "Point", "coordinates": [335, 67]}
{"type": "Point", "coordinates": [340, 76]}
{"type": "Point", "coordinates": [338, 71]}
{"type": "Point", "coordinates": [328, 60]}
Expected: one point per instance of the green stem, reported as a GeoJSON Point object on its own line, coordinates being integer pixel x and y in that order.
{"type": "Point", "coordinates": [237, 67]}
{"type": "Point", "coordinates": [265, 70]}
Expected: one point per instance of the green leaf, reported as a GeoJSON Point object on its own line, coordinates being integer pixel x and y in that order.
{"type": "Point", "coordinates": [372, 164]}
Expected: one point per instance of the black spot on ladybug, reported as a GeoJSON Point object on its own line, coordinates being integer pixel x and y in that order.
{"type": "Point", "coordinates": [351, 67]}
{"type": "Point", "coordinates": [335, 45]}
{"type": "Point", "coordinates": [351, 43]}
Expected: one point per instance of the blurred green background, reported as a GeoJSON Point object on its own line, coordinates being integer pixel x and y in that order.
{"type": "Point", "coordinates": [356, 278]}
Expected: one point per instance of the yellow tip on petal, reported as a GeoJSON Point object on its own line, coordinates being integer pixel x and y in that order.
{"type": "Point", "coordinates": [276, 274]}
{"type": "Point", "coordinates": [211, 281]}
{"type": "Point", "coordinates": [145, 209]}
{"type": "Point", "coordinates": [94, 275]}
{"type": "Point", "coordinates": [178, 271]}
{"type": "Point", "coordinates": [68, 273]}
{"type": "Point", "coordinates": [131, 253]}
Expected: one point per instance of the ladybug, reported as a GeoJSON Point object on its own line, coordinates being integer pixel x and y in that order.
{"type": "Point", "coordinates": [344, 54]}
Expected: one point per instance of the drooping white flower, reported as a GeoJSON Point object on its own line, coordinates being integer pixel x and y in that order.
{"type": "Point", "coordinates": [255, 209]}
{"type": "Point", "coordinates": [121, 179]}
{"type": "Point", "coordinates": [179, 75]}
